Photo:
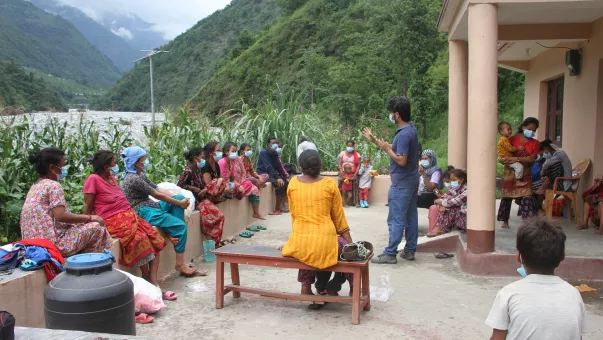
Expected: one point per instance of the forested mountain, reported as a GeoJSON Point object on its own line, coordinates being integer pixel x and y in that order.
{"type": "Point", "coordinates": [34, 38]}
{"type": "Point", "coordinates": [193, 57]}
{"type": "Point", "coordinates": [136, 32]}
{"type": "Point", "coordinates": [25, 90]}
{"type": "Point", "coordinates": [114, 47]}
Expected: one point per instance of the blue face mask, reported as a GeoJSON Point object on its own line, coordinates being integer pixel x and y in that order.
{"type": "Point", "coordinates": [274, 146]}
{"type": "Point", "coordinates": [521, 270]}
{"type": "Point", "coordinates": [350, 149]}
{"type": "Point", "coordinates": [62, 175]}
{"type": "Point", "coordinates": [115, 170]}
{"type": "Point", "coordinates": [528, 133]}
{"type": "Point", "coordinates": [391, 118]}
{"type": "Point", "coordinates": [249, 153]}
{"type": "Point", "coordinates": [547, 155]}
{"type": "Point", "coordinates": [146, 163]}
{"type": "Point", "coordinates": [201, 163]}
{"type": "Point", "coordinates": [455, 185]}
{"type": "Point", "coordinates": [279, 150]}
{"type": "Point", "coordinates": [218, 156]}
{"type": "Point", "coordinates": [425, 163]}
{"type": "Point", "coordinates": [233, 155]}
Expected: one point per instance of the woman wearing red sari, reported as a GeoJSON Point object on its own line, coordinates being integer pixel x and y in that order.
{"type": "Point", "coordinates": [207, 193]}
{"type": "Point", "coordinates": [523, 195]}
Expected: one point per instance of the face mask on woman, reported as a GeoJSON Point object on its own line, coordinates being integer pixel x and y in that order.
{"type": "Point", "coordinates": [455, 185]}
{"type": "Point", "coordinates": [528, 133]}
{"type": "Point", "coordinates": [63, 174]}
{"type": "Point", "coordinates": [115, 170]}
{"type": "Point", "coordinates": [249, 153]}
{"type": "Point", "coordinates": [350, 149]}
{"type": "Point", "coordinates": [232, 155]}
{"type": "Point", "coordinates": [547, 155]}
{"type": "Point", "coordinates": [218, 156]}
{"type": "Point", "coordinates": [201, 163]}
{"type": "Point", "coordinates": [274, 146]}
{"type": "Point", "coordinates": [146, 163]}
{"type": "Point", "coordinates": [425, 163]}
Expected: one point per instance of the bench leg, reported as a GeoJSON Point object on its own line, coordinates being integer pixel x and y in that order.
{"type": "Point", "coordinates": [356, 297]}
{"type": "Point", "coordinates": [219, 283]}
{"type": "Point", "coordinates": [234, 273]}
{"type": "Point", "coordinates": [366, 288]}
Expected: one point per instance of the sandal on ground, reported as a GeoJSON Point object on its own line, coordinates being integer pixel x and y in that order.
{"type": "Point", "coordinates": [233, 241]}
{"type": "Point", "coordinates": [246, 234]}
{"type": "Point", "coordinates": [195, 272]}
{"type": "Point", "coordinates": [261, 227]}
{"type": "Point", "coordinates": [224, 242]}
{"type": "Point", "coordinates": [443, 256]}
{"type": "Point", "coordinates": [253, 228]}
{"type": "Point", "coordinates": [168, 295]}
{"type": "Point", "coordinates": [317, 306]}
{"type": "Point", "coordinates": [143, 318]}
{"type": "Point", "coordinates": [275, 213]}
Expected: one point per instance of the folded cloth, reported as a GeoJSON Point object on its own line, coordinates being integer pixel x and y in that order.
{"type": "Point", "coordinates": [39, 256]}
{"type": "Point", "coordinates": [50, 247]}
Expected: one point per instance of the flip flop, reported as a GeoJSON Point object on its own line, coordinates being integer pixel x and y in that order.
{"type": "Point", "coordinates": [233, 241]}
{"type": "Point", "coordinates": [253, 228]}
{"type": "Point", "coordinates": [261, 227]}
{"type": "Point", "coordinates": [143, 318]}
{"type": "Point", "coordinates": [443, 256]}
{"type": "Point", "coordinates": [275, 213]}
{"type": "Point", "coordinates": [246, 234]}
{"type": "Point", "coordinates": [169, 295]}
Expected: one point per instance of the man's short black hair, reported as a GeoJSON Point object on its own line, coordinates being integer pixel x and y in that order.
{"type": "Point", "coordinates": [302, 139]}
{"type": "Point", "coordinates": [501, 124]}
{"type": "Point", "coordinates": [541, 245]}
{"type": "Point", "coordinates": [546, 144]}
{"type": "Point", "coordinates": [271, 139]}
{"type": "Point", "coordinates": [401, 105]}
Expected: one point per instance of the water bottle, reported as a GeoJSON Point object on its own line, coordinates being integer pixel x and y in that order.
{"type": "Point", "coordinates": [208, 247]}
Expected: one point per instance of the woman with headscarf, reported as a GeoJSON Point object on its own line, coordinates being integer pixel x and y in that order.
{"type": "Point", "coordinates": [167, 214]}
{"type": "Point", "coordinates": [431, 179]}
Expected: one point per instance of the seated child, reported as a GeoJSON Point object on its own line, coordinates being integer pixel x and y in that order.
{"type": "Point", "coordinates": [446, 178]}
{"type": "Point", "coordinates": [347, 185]}
{"type": "Point", "coordinates": [506, 149]}
{"type": "Point", "coordinates": [541, 305]}
{"type": "Point", "coordinates": [364, 182]}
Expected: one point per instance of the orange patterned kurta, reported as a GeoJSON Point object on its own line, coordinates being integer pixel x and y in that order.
{"type": "Point", "coordinates": [318, 218]}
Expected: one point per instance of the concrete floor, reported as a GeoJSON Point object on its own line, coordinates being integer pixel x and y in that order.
{"type": "Point", "coordinates": [430, 298]}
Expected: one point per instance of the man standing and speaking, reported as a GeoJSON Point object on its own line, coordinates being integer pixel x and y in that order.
{"type": "Point", "coordinates": [402, 197]}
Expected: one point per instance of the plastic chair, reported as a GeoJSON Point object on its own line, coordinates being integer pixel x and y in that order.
{"type": "Point", "coordinates": [571, 197]}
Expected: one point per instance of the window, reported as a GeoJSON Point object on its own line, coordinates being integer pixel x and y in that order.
{"type": "Point", "coordinates": [554, 119]}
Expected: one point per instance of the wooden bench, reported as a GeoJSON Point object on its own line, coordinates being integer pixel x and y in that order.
{"type": "Point", "coordinates": [236, 254]}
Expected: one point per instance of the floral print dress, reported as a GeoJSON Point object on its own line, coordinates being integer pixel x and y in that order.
{"type": "Point", "coordinates": [37, 222]}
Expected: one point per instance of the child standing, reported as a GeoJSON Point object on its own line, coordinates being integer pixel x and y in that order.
{"type": "Point", "coordinates": [347, 185]}
{"type": "Point", "coordinates": [365, 181]}
{"type": "Point", "coordinates": [506, 149]}
{"type": "Point", "coordinates": [541, 305]}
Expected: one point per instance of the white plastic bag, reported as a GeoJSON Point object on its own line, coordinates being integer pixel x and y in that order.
{"type": "Point", "coordinates": [147, 298]}
{"type": "Point", "coordinates": [176, 190]}
{"type": "Point", "coordinates": [383, 291]}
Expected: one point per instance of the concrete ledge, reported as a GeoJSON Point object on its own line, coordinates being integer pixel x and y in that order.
{"type": "Point", "coordinates": [22, 293]}
{"type": "Point", "coordinates": [503, 264]}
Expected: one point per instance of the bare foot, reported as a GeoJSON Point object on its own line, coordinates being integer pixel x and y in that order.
{"type": "Point", "coordinates": [174, 240]}
{"type": "Point", "coordinates": [582, 227]}
{"type": "Point", "coordinates": [521, 183]}
{"type": "Point", "coordinates": [186, 270]}
{"type": "Point", "coordinates": [505, 226]}
{"type": "Point", "coordinates": [258, 216]}
{"type": "Point", "coordinates": [599, 231]}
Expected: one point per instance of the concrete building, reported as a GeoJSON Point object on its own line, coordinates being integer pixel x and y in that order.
{"type": "Point", "coordinates": [532, 37]}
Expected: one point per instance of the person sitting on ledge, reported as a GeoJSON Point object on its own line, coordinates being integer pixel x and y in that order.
{"type": "Point", "coordinates": [269, 164]}
{"type": "Point", "coordinates": [431, 179]}
{"type": "Point", "coordinates": [452, 207]}
{"type": "Point", "coordinates": [46, 215]}
{"type": "Point", "coordinates": [320, 228]}
{"type": "Point", "coordinates": [593, 206]}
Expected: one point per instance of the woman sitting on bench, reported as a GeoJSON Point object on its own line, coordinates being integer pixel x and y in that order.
{"type": "Point", "coordinates": [320, 228]}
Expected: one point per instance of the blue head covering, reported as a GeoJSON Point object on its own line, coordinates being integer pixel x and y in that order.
{"type": "Point", "coordinates": [131, 155]}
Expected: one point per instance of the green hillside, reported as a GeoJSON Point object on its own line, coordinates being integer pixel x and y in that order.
{"type": "Point", "coordinates": [193, 57]}
{"type": "Point", "coordinates": [36, 39]}
{"type": "Point", "coordinates": [74, 93]}
{"type": "Point", "coordinates": [24, 89]}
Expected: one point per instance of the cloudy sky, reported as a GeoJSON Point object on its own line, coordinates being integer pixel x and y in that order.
{"type": "Point", "coordinates": [171, 17]}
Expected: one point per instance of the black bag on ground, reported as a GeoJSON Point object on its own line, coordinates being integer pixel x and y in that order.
{"type": "Point", "coordinates": [7, 326]}
{"type": "Point", "coordinates": [291, 169]}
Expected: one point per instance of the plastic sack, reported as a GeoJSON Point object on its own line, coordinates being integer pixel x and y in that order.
{"type": "Point", "coordinates": [176, 190]}
{"type": "Point", "coordinates": [383, 291]}
{"type": "Point", "coordinates": [147, 298]}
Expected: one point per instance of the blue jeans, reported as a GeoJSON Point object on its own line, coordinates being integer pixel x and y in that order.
{"type": "Point", "coordinates": [403, 218]}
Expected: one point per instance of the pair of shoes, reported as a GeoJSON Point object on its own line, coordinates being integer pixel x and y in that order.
{"type": "Point", "coordinates": [408, 255]}
{"type": "Point", "coordinates": [364, 204]}
{"type": "Point", "coordinates": [384, 259]}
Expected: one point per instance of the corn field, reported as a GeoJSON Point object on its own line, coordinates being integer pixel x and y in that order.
{"type": "Point", "coordinates": [166, 143]}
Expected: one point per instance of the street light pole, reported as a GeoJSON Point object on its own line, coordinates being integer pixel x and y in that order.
{"type": "Point", "coordinates": [150, 56]}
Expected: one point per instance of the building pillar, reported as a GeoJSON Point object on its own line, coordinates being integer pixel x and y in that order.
{"type": "Point", "coordinates": [457, 103]}
{"type": "Point", "coordinates": [482, 123]}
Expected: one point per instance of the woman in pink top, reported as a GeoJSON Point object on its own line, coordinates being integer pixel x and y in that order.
{"type": "Point", "coordinates": [233, 170]}
{"type": "Point", "coordinates": [45, 213]}
{"type": "Point", "coordinates": [352, 157]}
{"type": "Point", "coordinates": [139, 242]}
